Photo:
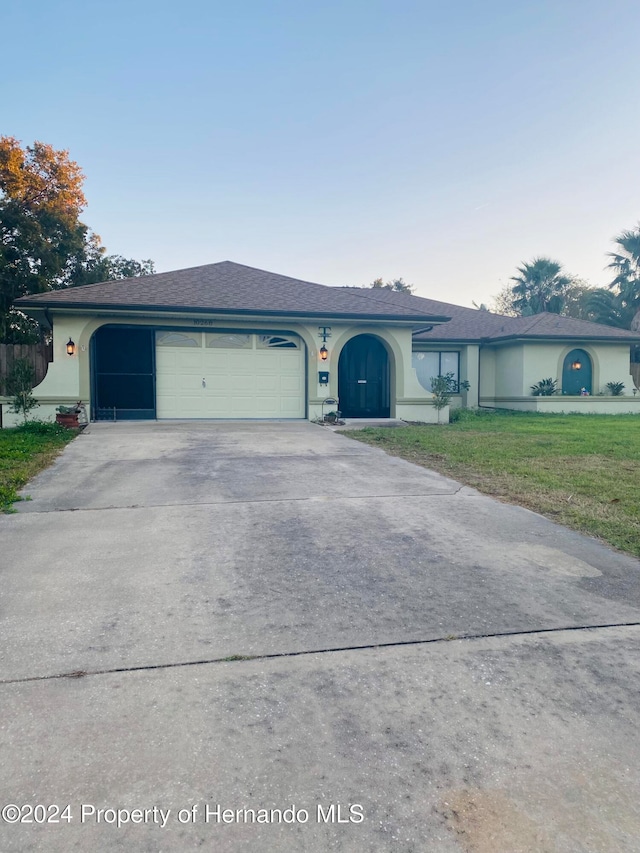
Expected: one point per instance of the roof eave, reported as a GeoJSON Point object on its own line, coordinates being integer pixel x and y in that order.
{"type": "Point", "coordinates": [449, 340]}
{"type": "Point", "coordinates": [25, 304]}
{"type": "Point", "coordinates": [554, 338]}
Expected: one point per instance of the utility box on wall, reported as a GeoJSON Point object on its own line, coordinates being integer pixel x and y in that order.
{"type": "Point", "coordinates": [323, 377]}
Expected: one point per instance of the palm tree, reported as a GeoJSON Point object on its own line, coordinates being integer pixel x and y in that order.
{"type": "Point", "coordinates": [540, 286]}
{"type": "Point", "coordinates": [603, 306]}
{"type": "Point", "coordinates": [626, 265]}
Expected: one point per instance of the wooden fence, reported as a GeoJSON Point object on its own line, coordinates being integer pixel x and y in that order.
{"type": "Point", "coordinates": [39, 355]}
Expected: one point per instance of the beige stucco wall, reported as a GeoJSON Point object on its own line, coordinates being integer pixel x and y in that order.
{"type": "Point", "coordinates": [534, 361]}
{"type": "Point", "coordinates": [509, 361]}
{"type": "Point", "coordinates": [62, 384]}
{"type": "Point", "coordinates": [487, 374]}
{"type": "Point", "coordinates": [610, 363]}
{"type": "Point", "coordinates": [510, 371]}
{"type": "Point", "coordinates": [568, 405]}
{"type": "Point", "coordinates": [469, 370]}
{"type": "Point", "coordinates": [68, 378]}
{"type": "Point", "coordinates": [506, 372]}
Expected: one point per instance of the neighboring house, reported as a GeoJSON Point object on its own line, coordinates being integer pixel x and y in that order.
{"type": "Point", "coordinates": [231, 341]}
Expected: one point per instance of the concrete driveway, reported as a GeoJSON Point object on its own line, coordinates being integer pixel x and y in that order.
{"type": "Point", "coordinates": [449, 673]}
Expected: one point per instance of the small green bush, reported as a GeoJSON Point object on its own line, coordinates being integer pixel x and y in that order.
{"type": "Point", "coordinates": [20, 382]}
{"type": "Point", "coordinates": [615, 388]}
{"type": "Point", "coordinates": [46, 428]}
{"type": "Point", "coordinates": [544, 388]}
{"type": "Point", "coordinates": [463, 415]}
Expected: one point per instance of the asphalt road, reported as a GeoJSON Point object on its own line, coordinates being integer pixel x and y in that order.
{"type": "Point", "coordinates": [270, 616]}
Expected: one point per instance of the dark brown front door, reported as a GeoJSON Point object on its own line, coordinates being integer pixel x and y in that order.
{"type": "Point", "coordinates": [363, 378]}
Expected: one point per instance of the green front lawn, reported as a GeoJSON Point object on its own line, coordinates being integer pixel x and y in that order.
{"type": "Point", "coordinates": [580, 470]}
{"type": "Point", "coordinates": [26, 450]}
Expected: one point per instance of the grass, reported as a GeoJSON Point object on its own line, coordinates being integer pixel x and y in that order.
{"type": "Point", "coordinates": [25, 451]}
{"type": "Point", "coordinates": [580, 470]}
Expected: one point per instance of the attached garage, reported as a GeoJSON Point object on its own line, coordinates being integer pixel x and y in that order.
{"type": "Point", "coordinates": [229, 375]}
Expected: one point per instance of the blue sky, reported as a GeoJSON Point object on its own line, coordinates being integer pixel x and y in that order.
{"type": "Point", "coordinates": [340, 141]}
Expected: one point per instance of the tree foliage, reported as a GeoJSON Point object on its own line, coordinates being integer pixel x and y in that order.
{"type": "Point", "coordinates": [39, 178]}
{"type": "Point", "coordinates": [96, 265]}
{"type": "Point", "coordinates": [443, 387]}
{"type": "Point", "coordinates": [396, 284]}
{"type": "Point", "coordinates": [540, 286]}
{"type": "Point", "coordinates": [20, 383]}
{"type": "Point", "coordinates": [43, 244]}
{"type": "Point", "coordinates": [502, 302]}
{"type": "Point", "coordinates": [625, 263]}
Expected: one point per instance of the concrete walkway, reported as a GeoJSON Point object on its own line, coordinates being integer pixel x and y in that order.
{"type": "Point", "coordinates": [463, 673]}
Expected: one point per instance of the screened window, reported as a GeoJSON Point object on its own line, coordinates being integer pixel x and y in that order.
{"type": "Point", "coordinates": [428, 365]}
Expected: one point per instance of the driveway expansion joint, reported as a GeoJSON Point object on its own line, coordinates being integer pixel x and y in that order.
{"type": "Point", "coordinates": [240, 658]}
{"type": "Point", "coordinates": [312, 499]}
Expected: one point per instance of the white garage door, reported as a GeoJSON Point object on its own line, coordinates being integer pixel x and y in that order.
{"type": "Point", "coordinates": [223, 375]}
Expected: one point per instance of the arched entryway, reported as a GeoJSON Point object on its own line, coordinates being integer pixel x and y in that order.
{"type": "Point", "coordinates": [577, 373]}
{"type": "Point", "coordinates": [364, 378]}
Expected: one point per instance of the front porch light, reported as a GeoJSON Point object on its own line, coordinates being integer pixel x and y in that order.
{"type": "Point", "coordinates": [577, 364]}
{"type": "Point", "coordinates": [71, 347]}
{"type": "Point", "coordinates": [324, 352]}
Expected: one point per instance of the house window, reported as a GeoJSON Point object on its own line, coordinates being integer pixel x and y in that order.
{"type": "Point", "coordinates": [229, 341]}
{"type": "Point", "coordinates": [428, 365]}
{"type": "Point", "coordinates": [276, 342]}
{"type": "Point", "coordinates": [178, 339]}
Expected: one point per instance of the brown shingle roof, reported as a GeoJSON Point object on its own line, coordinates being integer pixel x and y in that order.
{"type": "Point", "coordinates": [231, 288]}
{"type": "Point", "coordinates": [473, 325]}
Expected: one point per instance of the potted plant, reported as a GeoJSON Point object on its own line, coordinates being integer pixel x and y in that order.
{"type": "Point", "coordinates": [68, 415]}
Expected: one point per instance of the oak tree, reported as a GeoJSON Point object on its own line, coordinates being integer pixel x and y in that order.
{"type": "Point", "coordinates": [43, 243]}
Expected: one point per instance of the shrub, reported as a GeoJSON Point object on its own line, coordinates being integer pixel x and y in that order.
{"type": "Point", "coordinates": [545, 388]}
{"type": "Point", "coordinates": [444, 387]}
{"type": "Point", "coordinates": [20, 382]}
{"type": "Point", "coordinates": [615, 388]}
{"type": "Point", "coordinates": [47, 428]}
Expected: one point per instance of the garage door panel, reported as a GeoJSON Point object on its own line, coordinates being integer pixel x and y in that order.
{"type": "Point", "coordinates": [290, 384]}
{"type": "Point", "coordinates": [244, 383]}
{"type": "Point", "coordinates": [218, 407]}
{"type": "Point", "coordinates": [239, 383]}
{"type": "Point", "coordinates": [218, 384]}
{"type": "Point", "coordinates": [267, 385]}
{"type": "Point", "coordinates": [184, 405]}
{"type": "Point", "coordinates": [243, 407]}
{"type": "Point", "coordinates": [178, 359]}
{"type": "Point", "coordinates": [288, 408]}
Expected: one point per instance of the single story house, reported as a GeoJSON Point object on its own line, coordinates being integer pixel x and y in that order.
{"type": "Point", "coordinates": [230, 341]}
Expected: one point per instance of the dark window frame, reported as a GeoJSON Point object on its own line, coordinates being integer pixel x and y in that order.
{"type": "Point", "coordinates": [440, 353]}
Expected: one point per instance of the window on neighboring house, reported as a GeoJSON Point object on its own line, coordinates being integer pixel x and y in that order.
{"type": "Point", "coordinates": [428, 365]}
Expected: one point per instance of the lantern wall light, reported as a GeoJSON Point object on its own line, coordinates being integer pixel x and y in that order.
{"type": "Point", "coordinates": [324, 352]}
{"type": "Point", "coordinates": [71, 347]}
{"type": "Point", "coordinates": [576, 365]}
